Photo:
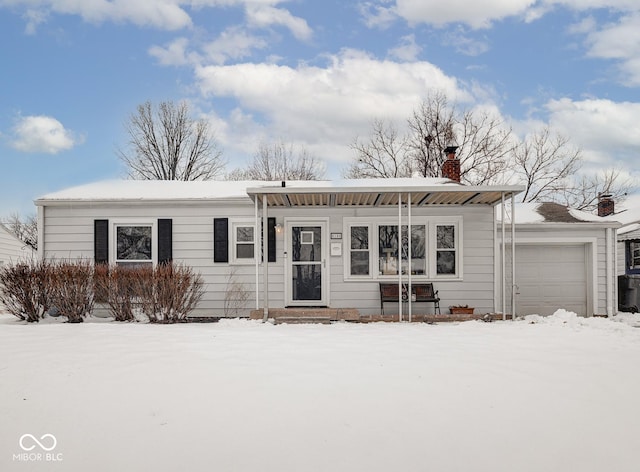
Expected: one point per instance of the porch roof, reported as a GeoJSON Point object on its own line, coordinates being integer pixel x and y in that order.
{"type": "Point", "coordinates": [379, 192]}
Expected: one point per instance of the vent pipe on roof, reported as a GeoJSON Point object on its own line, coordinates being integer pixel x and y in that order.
{"type": "Point", "coordinates": [451, 166]}
{"type": "Point", "coordinates": [606, 205]}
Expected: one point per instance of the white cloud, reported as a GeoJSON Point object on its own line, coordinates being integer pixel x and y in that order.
{"type": "Point", "coordinates": [619, 41]}
{"type": "Point", "coordinates": [477, 14]}
{"type": "Point", "coordinates": [607, 131]}
{"type": "Point", "coordinates": [407, 50]}
{"type": "Point", "coordinates": [165, 14]}
{"type": "Point", "coordinates": [458, 39]}
{"type": "Point", "coordinates": [233, 43]}
{"type": "Point", "coordinates": [327, 104]}
{"type": "Point", "coordinates": [34, 19]}
{"type": "Point", "coordinates": [41, 134]}
{"type": "Point", "coordinates": [173, 54]}
{"type": "Point", "coordinates": [265, 16]}
{"type": "Point", "coordinates": [162, 14]}
{"type": "Point", "coordinates": [377, 16]}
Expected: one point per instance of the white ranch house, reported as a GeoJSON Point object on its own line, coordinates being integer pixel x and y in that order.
{"type": "Point", "coordinates": [331, 243]}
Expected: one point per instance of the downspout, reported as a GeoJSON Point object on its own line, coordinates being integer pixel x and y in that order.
{"type": "Point", "coordinates": [409, 293]}
{"type": "Point", "coordinates": [399, 263]}
{"type": "Point", "coordinates": [257, 221]}
{"type": "Point", "coordinates": [503, 261]}
{"type": "Point", "coordinates": [513, 256]}
{"type": "Point", "coordinates": [265, 265]}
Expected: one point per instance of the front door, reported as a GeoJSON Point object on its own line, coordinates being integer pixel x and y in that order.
{"type": "Point", "coordinates": [307, 271]}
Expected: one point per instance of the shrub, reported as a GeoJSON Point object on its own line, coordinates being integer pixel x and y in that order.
{"type": "Point", "coordinates": [115, 286]}
{"type": "Point", "coordinates": [168, 292]}
{"type": "Point", "coordinates": [25, 289]}
{"type": "Point", "coordinates": [72, 289]}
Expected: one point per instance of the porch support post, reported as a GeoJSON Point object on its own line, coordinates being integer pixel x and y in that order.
{"type": "Point", "coordinates": [503, 260]}
{"type": "Point", "coordinates": [265, 252]}
{"type": "Point", "coordinates": [257, 223]}
{"type": "Point", "coordinates": [513, 256]}
{"type": "Point", "coordinates": [399, 263]}
{"type": "Point", "coordinates": [409, 299]}
{"type": "Point", "coordinates": [609, 270]}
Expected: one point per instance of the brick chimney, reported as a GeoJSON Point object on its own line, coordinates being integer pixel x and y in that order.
{"type": "Point", "coordinates": [451, 166]}
{"type": "Point", "coordinates": [606, 205]}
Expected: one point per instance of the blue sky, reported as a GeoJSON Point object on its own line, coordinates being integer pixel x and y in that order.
{"type": "Point", "coordinates": [310, 73]}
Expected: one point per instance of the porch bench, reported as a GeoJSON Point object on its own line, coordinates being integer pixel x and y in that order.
{"type": "Point", "coordinates": [423, 293]}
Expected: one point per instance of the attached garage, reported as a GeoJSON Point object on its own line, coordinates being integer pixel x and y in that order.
{"type": "Point", "coordinates": [552, 276]}
{"type": "Point", "coordinates": [564, 259]}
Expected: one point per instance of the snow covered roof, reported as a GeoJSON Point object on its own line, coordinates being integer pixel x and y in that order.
{"type": "Point", "coordinates": [549, 212]}
{"type": "Point", "coordinates": [352, 192]}
{"type": "Point", "coordinates": [627, 212]}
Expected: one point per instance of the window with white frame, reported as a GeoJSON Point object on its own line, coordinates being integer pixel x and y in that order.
{"type": "Point", "coordinates": [244, 243]}
{"type": "Point", "coordinates": [134, 244]}
{"type": "Point", "coordinates": [435, 248]}
{"type": "Point", "coordinates": [446, 249]}
{"type": "Point", "coordinates": [359, 251]}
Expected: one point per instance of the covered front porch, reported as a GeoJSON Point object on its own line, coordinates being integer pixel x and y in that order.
{"type": "Point", "coordinates": [310, 212]}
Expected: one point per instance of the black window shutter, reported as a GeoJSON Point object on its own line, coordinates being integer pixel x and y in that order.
{"type": "Point", "coordinates": [165, 241]}
{"type": "Point", "coordinates": [220, 240]}
{"type": "Point", "coordinates": [101, 241]}
{"type": "Point", "coordinates": [271, 241]}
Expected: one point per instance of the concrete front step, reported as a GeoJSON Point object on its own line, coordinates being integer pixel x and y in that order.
{"type": "Point", "coordinates": [302, 320]}
{"type": "Point", "coordinates": [333, 314]}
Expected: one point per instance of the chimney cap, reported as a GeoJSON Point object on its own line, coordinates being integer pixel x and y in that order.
{"type": "Point", "coordinates": [450, 149]}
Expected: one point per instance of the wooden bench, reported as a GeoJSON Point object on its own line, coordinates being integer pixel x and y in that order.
{"type": "Point", "coordinates": [423, 292]}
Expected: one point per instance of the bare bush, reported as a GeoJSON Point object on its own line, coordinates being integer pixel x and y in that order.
{"type": "Point", "coordinates": [168, 292]}
{"type": "Point", "coordinates": [72, 289]}
{"type": "Point", "coordinates": [25, 289]}
{"type": "Point", "coordinates": [235, 295]}
{"type": "Point", "coordinates": [115, 286]}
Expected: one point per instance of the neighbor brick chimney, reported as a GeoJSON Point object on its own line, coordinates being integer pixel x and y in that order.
{"type": "Point", "coordinates": [606, 205]}
{"type": "Point", "coordinates": [451, 166]}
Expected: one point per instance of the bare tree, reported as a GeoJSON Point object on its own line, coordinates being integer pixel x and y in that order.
{"type": "Point", "coordinates": [166, 143]}
{"type": "Point", "coordinates": [484, 144]}
{"type": "Point", "coordinates": [584, 191]}
{"type": "Point", "coordinates": [384, 154]}
{"type": "Point", "coordinates": [280, 161]}
{"type": "Point", "coordinates": [24, 228]}
{"type": "Point", "coordinates": [544, 162]}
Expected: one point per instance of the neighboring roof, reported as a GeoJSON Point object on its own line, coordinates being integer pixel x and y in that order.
{"type": "Point", "coordinates": [629, 232]}
{"type": "Point", "coordinates": [627, 212]}
{"type": "Point", "coordinates": [424, 191]}
{"type": "Point", "coordinates": [549, 212]}
{"type": "Point", "coordinates": [11, 247]}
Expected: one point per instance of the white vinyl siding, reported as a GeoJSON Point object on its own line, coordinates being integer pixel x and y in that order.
{"type": "Point", "coordinates": [68, 233]}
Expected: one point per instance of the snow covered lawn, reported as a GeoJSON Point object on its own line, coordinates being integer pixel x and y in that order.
{"type": "Point", "coordinates": [556, 394]}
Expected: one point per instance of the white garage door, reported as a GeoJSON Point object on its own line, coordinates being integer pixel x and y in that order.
{"type": "Point", "coordinates": [551, 277]}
